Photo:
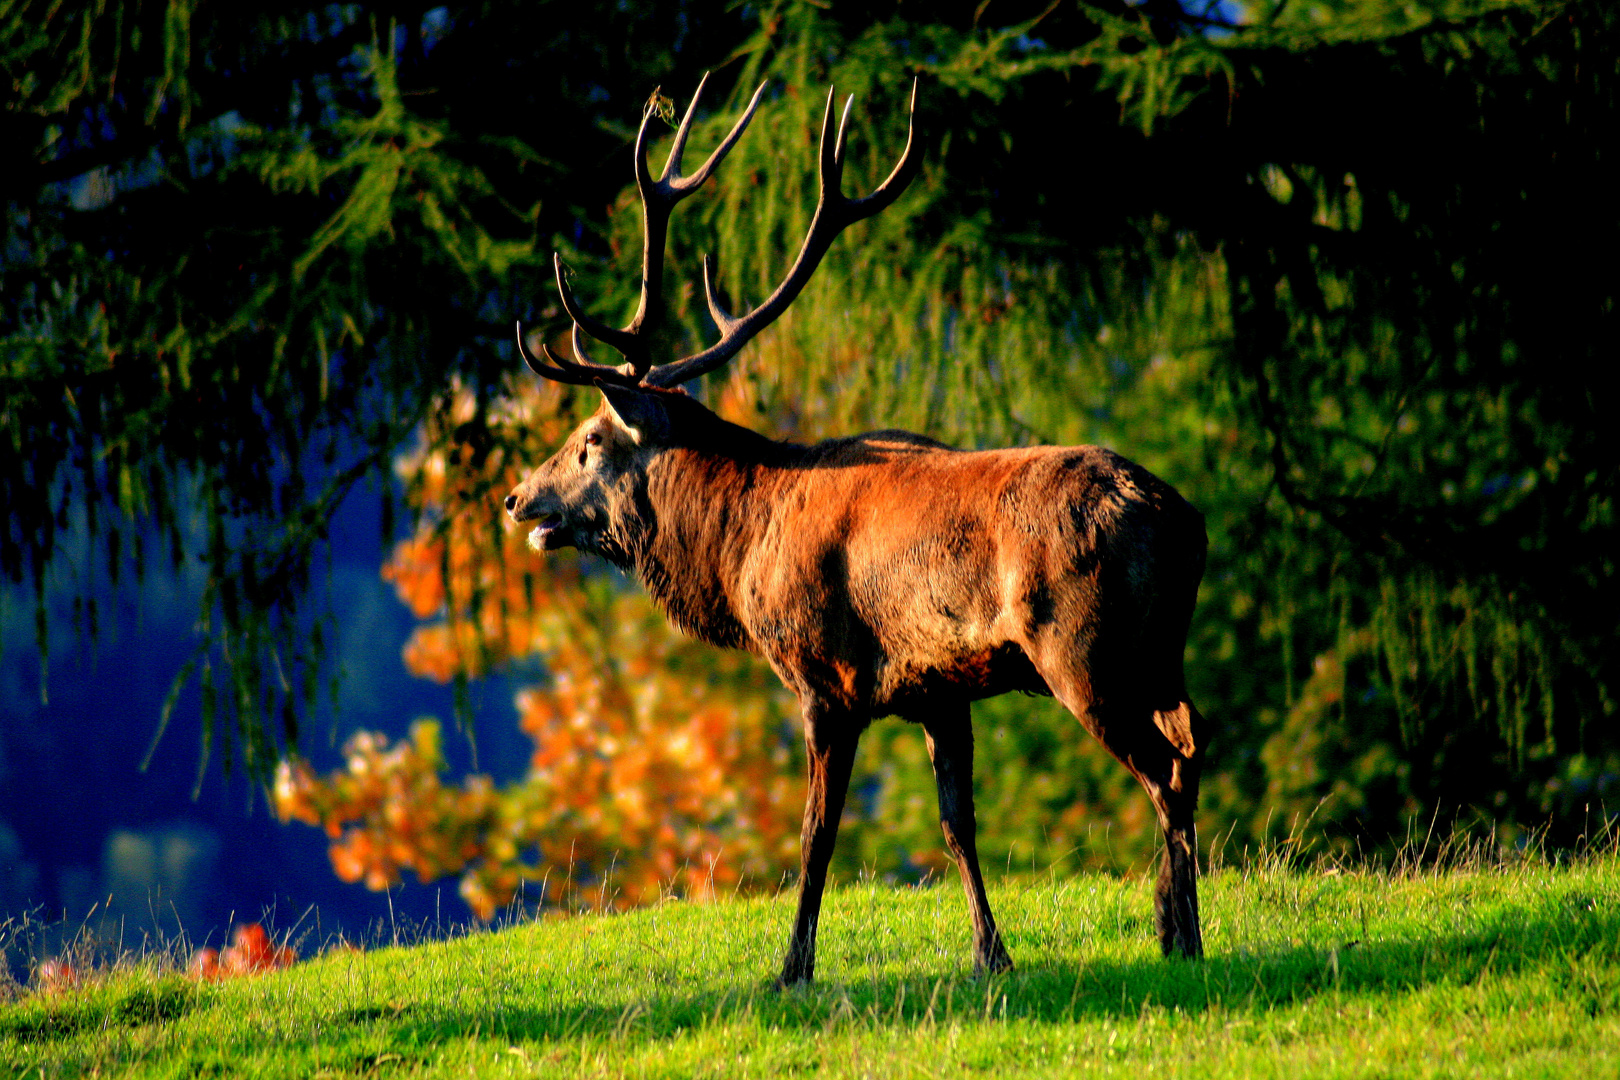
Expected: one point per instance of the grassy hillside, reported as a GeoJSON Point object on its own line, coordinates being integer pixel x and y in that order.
{"type": "Point", "coordinates": [1486, 971]}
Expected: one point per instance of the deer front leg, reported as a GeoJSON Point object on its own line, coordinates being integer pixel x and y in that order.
{"type": "Point", "coordinates": [830, 739]}
{"type": "Point", "coordinates": [950, 746]}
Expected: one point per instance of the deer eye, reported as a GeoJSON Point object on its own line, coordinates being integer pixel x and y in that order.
{"type": "Point", "coordinates": [593, 438]}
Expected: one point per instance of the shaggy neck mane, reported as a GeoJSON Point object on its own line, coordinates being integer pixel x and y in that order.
{"type": "Point", "coordinates": [701, 515]}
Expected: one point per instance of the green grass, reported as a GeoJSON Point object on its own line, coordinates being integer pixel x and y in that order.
{"type": "Point", "coordinates": [1486, 971]}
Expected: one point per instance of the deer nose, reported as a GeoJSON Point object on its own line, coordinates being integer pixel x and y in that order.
{"type": "Point", "coordinates": [511, 501]}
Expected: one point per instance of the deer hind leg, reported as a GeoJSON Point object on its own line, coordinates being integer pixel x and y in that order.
{"type": "Point", "coordinates": [1160, 738]}
{"type": "Point", "coordinates": [830, 738]}
{"type": "Point", "coordinates": [1171, 778]}
{"type": "Point", "coordinates": [949, 731]}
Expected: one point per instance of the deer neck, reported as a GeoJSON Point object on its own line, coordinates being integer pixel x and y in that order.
{"type": "Point", "coordinates": [704, 511]}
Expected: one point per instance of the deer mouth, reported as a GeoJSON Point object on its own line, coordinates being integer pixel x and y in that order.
{"type": "Point", "coordinates": [549, 535]}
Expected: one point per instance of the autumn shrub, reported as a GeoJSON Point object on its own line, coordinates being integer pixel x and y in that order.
{"type": "Point", "coordinates": [659, 763]}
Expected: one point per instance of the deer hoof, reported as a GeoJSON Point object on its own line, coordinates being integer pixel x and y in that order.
{"type": "Point", "coordinates": [998, 964]}
{"type": "Point", "coordinates": [785, 981]}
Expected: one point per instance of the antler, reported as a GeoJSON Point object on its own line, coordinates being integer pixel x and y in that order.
{"type": "Point", "coordinates": [658, 199]}
{"type": "Point", "coordinates": [580, 372]}
{"type": "Point", "coordinates": [834, 213]}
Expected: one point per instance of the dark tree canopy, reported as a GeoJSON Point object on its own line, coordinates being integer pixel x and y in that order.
{"type": "Point", "coordinates": [1327, 267]}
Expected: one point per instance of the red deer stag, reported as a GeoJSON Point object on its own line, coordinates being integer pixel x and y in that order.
{"type": "Point", "coordinates": [884, 574]}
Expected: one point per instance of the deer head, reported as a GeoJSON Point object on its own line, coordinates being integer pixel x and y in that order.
{"type": "Point", "coordinates": [589, 493]}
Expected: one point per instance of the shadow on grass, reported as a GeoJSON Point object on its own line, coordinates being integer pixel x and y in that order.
{"type": "Point", "coordinates": [164, 1001]}
{"type": "Point", "coordinates": [1561, 930]}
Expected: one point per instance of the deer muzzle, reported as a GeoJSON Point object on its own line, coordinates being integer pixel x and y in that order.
{"type": "Point", "coordinates": [549, 534]}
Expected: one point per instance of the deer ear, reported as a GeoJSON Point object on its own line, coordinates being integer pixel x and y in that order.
{"type": "Point", "coordinates": [639, 413]}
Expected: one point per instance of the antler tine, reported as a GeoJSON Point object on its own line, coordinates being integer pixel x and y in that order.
{"type": "Point", "coordinates": [583, 365]}
{"type": "Point", "coordinates": [672, 170]}
{"type": "Point", "coordinates": [581, 357]}
{"type": "Point", "coordinates": [576, 375]}
{"type": "Point", "coordinates": [834, 212]}
{"type": "Point", "coordinates": [829, 161]}
{"type": "Point", "coordinates": [622, 340]}
{"type": "Point", "coordinates": [843, 129]}
{"type": "Point", "coordinates": [560, 373]}
{"type": "Point", "coordinates": [644, 181]}
{"type": "Point", "coordinates": [900, 176]}
{"type": "Point", "coordinates": [722, 318]}
{"type": "Point", "coordinates": [672, 164]}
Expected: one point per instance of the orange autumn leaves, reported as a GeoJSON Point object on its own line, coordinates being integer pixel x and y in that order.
{"type": "Point", "coordinates": [250, 952]}
{"type": "Point", "coordinates": [660, 764]}
{"type": "Point", "coordinates": [388, 809]}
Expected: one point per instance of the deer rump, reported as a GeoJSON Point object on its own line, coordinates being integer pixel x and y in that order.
{"type": "Point", "coordinates": [884, 573]}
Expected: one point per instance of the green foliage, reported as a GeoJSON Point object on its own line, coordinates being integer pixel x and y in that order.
{"type": "Point", "coordinates": [1414, 342]}
{"type": "Point", "coordinates": [1485, 970]}
{"type": "Point", "coordinates": [243, 257]}
{"type": "Point", "coordinates": [1325, 269]}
